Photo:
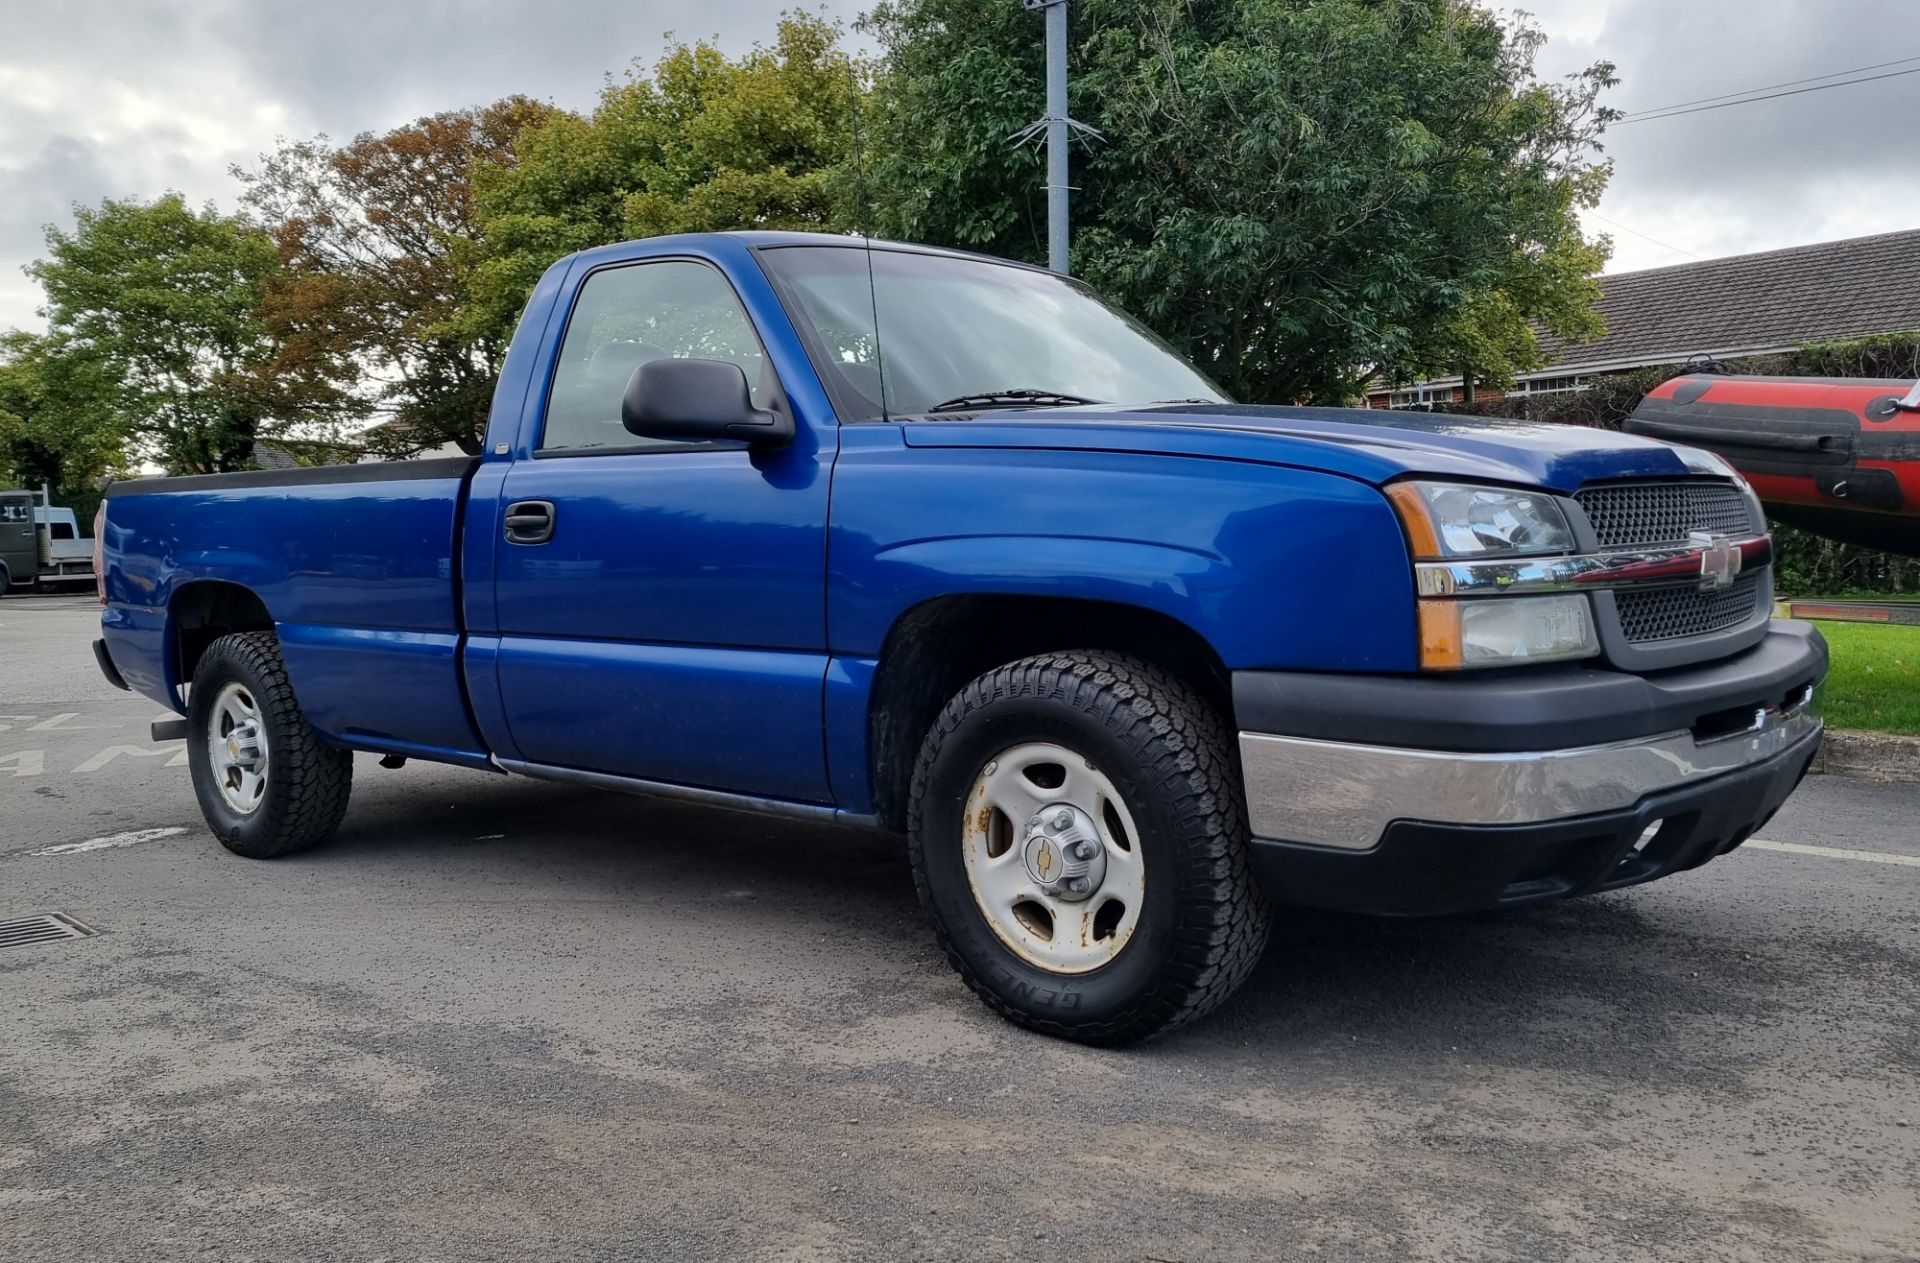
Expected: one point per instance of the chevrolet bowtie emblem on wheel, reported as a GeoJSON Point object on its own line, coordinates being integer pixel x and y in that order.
{"type": "Point", "coordinates": [1719, 560]}
{"type": "Point", "coordinates": [1043, 863]}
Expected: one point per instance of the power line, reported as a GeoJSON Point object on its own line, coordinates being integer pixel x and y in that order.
{"type": "Point", "coordinates": [1644, 237]}
{"type": "Point", "coordinates": [1701, 109]}
{"type": "Point", "coordinates": [1768, 87]}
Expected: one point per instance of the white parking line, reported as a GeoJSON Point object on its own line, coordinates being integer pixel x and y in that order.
{"type": "Point", "coordinates": [1831, 852]}
{"type": "Point", "coordinates": [113, 839]}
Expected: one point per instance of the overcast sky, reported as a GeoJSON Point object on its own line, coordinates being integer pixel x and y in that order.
{"type": "Point", "coordinates": [125, 98]}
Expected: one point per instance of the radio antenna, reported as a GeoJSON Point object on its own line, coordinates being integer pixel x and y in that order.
{"type": "Point", "coordinates": [864, 219]}
{"type": "Point", "coordinates": [866, 232]}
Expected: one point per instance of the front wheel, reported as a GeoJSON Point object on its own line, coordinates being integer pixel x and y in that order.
{"type": "Point", "coordinates": [1079, 841]}
{"type": "Point", "coordinates": [266, 783]}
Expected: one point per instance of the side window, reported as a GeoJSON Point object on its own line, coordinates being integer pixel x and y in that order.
{"type": "Point", "coordinates": [627, 316]}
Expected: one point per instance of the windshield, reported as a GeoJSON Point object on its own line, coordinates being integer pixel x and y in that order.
{"type": "Point", "coordinates": [950, 328]}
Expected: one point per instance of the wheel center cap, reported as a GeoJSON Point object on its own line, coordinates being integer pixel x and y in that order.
{"type": "Point", "coordinates": [1063, 853]}
{"type": "Point", "coordinates": [243, 745]}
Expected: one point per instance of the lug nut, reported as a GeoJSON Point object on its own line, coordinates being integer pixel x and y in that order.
{"type": "Point", "coordinates": [1083, 850]}
{"type": "Point", "coordinates": [1062, 819]}
{"type": "Point", "coordinates": [1078, 885]}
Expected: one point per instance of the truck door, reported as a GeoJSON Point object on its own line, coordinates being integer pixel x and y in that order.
{"type": "Point", "coordinates": [19, 547]}
{"type": "Point", "coordinates": [661, 605]}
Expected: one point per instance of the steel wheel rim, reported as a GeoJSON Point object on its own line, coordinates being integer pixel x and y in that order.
{"type": "Point", "coordinates": [1013, 815]}
{"type": "Point", "coordinates": [237, 748]}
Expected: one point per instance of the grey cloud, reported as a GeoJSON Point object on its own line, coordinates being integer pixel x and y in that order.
{"type": "Point", "coordinates": [42, 190]}
{"type": "Point", "coordinates": [1780, 172]}
{"type": "Point", "coordinates": [272, 68]}
{"type": "Point", "coordinates": [172, 91]}
{"type": "Point", "coordinates": [357, 64]}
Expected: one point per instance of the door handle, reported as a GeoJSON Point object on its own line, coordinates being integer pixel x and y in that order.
{"type": "Point", "coordinates": [529, 522]}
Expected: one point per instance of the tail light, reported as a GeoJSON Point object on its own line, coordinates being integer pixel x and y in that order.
{"type": "Point", "coordinates": [100, 551]}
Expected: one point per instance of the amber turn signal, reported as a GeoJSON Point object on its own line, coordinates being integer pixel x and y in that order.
{"type": "Point", "coordinates": [1440, 648]}
{"type": "Point", "coordinates": [1417, 519]}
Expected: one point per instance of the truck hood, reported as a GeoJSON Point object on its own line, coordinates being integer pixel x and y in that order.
{"type": "Point", "coordinates": [1374, 445]}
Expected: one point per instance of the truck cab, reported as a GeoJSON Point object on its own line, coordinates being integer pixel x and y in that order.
{"type": "Point", "coordinates": [19, 545]}
{"type": "Point", "coordinates": [942, 545]}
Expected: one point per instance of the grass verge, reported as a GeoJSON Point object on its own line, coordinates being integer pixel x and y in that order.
{"type": "Point", "coordinates": [1875, 679]}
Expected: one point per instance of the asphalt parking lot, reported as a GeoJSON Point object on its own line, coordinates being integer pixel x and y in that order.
{"type": "Point", "coordinates": [501, 1019]}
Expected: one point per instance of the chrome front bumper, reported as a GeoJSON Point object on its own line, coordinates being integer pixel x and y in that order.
{"type": "Point", "coordinates": [1343, 796]}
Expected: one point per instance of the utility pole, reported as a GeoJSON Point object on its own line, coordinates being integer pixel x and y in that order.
{"type": "Point", "coordinates": [1055, 128]}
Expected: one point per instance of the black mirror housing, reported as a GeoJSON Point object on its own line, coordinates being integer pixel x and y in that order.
{"type": "Point", "coordinates": [699, 401]}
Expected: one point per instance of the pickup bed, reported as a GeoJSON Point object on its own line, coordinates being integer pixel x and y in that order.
{"type": "Point", "coordinates": [942, 545]}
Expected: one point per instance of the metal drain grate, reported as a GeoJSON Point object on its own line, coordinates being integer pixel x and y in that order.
{"type": "Point", "coordinates": [42, 929]}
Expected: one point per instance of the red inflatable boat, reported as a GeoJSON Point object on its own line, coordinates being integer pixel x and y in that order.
{"type": "Point", "coordinates": [1835, 455]}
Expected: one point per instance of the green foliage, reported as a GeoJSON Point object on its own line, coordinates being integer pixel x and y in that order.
{"type": "Point", "coordinates": [1295, 194]}
{"type": "Point", "coordinates": [60, 424]}
{"type": "Point", "coordinates": [1604, 404]}
{"type": "Point", "coordinates": [1806, 564]}
{"type": "Point", "coordinates": [164, 301]}
{"type": "Point", "coordinates": [1894, 355]}
{"type": "Point", "coordinates": [703, 143]}
{"type": "Point", "coordinates": [378, 238]}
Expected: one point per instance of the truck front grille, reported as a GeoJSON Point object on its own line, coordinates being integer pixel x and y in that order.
{"type": "Point", "coordinates": [1666, 626]}
{"type": "Point", "coordinates": [1676, 613]}
{"type": "Point", "coordinates": [1633, 514]}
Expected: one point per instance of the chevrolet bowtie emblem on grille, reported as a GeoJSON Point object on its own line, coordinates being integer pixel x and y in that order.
{"type": "Point", "coordinates": [1719, 560]}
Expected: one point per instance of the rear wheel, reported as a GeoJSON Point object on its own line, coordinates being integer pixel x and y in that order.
{"type": "Point", "coordinates": [266, 783]}
{"type": "Point", "coordinates": [1079, 842]}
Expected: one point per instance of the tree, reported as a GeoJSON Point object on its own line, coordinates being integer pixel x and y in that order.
{"type": "Point", "coordinates": [60, 423]}
{"type": "Point", "coordinates": [704, 143]}
{"type": "Point", "coordinates": [163, 301]}
{"type": "Point", "coordinates": [1298, 193]}
{"type": "Point", "coordinates": [376, 239]}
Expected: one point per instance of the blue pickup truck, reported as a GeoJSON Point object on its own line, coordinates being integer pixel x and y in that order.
{"type": "Point", "coordinates": [945, 546]}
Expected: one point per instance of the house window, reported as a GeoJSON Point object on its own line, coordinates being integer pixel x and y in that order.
{"type": "Point", "coordinates": [1420, 397]}
{"type": "Point", "coordinates": [1555, 385]}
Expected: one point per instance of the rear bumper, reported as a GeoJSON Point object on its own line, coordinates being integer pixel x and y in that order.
{"type": "Point", "coordinates": [105, 660]}
{"type": "Point", "coordinates": [1408, 829]}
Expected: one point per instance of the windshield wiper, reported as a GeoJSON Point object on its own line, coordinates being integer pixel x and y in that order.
{"type": "Point", "coordinates": [1019, 398]}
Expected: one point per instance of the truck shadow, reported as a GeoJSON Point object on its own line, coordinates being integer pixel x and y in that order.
{"type": "Point", "coordinates": [1615, 984]}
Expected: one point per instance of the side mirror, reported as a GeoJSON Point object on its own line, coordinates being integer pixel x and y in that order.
{"type": "Point", "coordinates": [697, 401]}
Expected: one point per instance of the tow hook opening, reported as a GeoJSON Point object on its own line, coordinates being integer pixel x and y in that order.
{"type": "Point", "coordinates": [1735, 721]}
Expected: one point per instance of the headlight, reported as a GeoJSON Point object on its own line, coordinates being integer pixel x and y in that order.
{"type": "Point", "coordinates": [1444, 519]}
{"type": "Point", "coordinates": [1505, 631]}
{"type": "Point", "coordinates": [1448, 521]}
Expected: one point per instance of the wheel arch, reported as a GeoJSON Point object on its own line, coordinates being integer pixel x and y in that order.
{"type": "Point", "coordinates": [935, 647]}
{"type": "Point", "coordinates": [203, 610]}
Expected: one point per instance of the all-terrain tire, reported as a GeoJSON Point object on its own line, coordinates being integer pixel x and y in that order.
{"type": "Point", "coordinates": [1170, 755]}
{"type": "Point", "coordinates": [308, 782]}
